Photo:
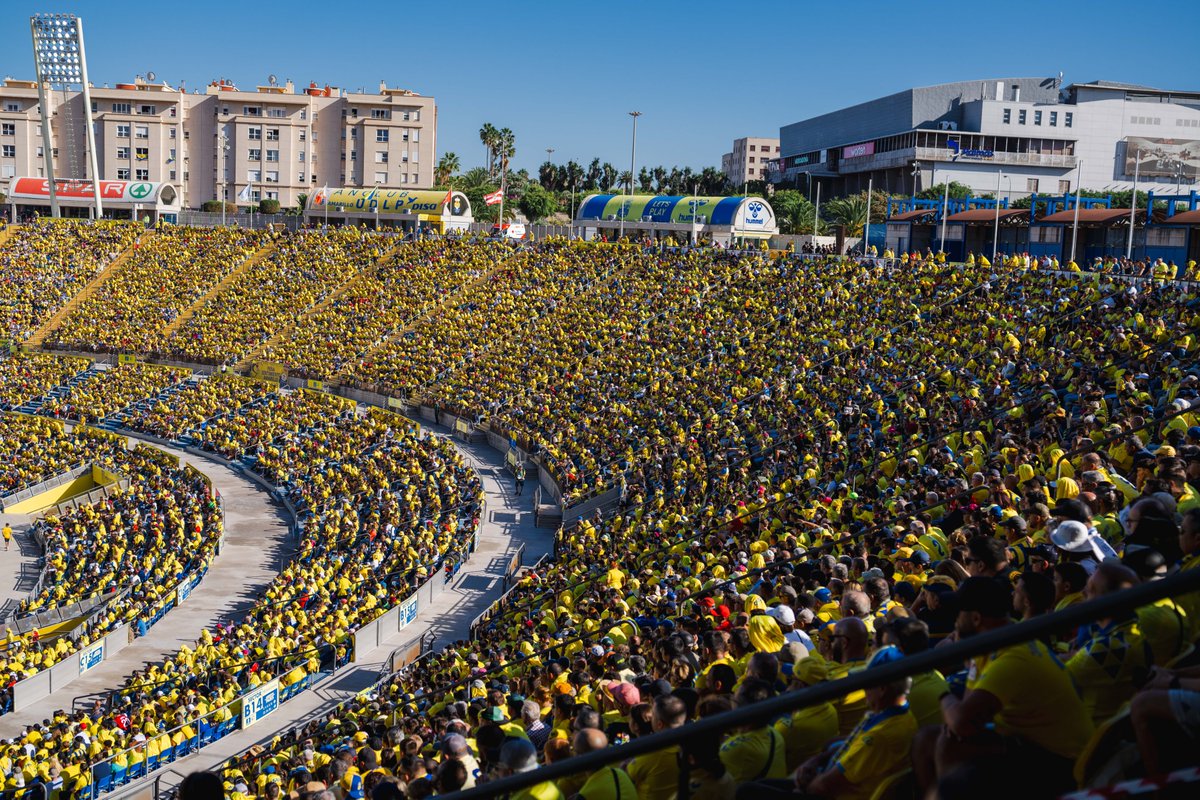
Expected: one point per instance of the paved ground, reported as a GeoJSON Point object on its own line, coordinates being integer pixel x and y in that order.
{"type": "Point", "coordinates": [257, 541]}
{"type": "Point", "coordinates": [18, 565]}
{"type": "Point", "coordinates": [509, 523]}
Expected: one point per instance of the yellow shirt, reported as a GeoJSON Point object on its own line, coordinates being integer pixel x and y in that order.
{"type": "Point", "coordinates": [755, 756]}
{"type": "Point", "coordinates": [1104, 668]}
{"type": "Point", "coordinates": [1038, 701]}
{"type": "Point", "coordinates": [876, 749]}
{"type": "Point", "coordinates": [609, 783]}
{"type": "Point", "coordinates": [925, 698]}
{"type": "Point", "coordinates": [807, 732]}
{"type": "Point", "coordinates": [656, 775]}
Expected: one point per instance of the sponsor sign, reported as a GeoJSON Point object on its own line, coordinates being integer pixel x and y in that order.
{"type": "Point", "coordinates": [121, 191]}
{"type": "Point", "coordinates": [91, 657]}
{"type": "Point", "coordinates": [859, 150]}
{"type": "Point", "coordinates": [408, 611]}
{"type": "Point", "coordinates": [260, 703]}
{"type": "Point", "coordinates": [1173, 158]}
{"type": "Point", "coordinates": [392, 201]}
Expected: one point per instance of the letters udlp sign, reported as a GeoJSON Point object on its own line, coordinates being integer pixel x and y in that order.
{"type": "Point", "coordinates": [91, 657]}
{"type": "Point", "coordinates": [260, 703]}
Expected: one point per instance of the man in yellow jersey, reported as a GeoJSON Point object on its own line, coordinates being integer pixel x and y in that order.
{"type": "Point", "coordinates": [1020, 704]}
{"type": "Point", "coordinates": [518, 756]}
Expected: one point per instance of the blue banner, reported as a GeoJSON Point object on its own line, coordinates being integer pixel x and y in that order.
{"type": "Point", "coordinates": [91, 657]}
{"type": "Point", "coordinates": [408, 611]}
{"type": "Point", "coordinates": [260, 703]}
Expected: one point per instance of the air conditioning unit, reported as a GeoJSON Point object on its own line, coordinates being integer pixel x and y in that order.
{"type": "Point", "coordinates": [701, 220]}
{"type": "Point", "coordinates": [611, 218]}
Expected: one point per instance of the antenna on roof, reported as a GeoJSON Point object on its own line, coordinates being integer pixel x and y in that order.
{"type": "Point", "coordinates": [271, 79]}
{"type": "Point", "coordinates": [151, 77]}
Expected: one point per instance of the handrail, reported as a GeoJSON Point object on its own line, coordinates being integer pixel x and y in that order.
{"type": "Point", "coordinates": [764, 712]}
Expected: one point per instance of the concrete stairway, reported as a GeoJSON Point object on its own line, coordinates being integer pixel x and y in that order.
{"type": "Point", "coordinates": [222, 284]}
{"type": "Point", "coordinates": [8, 232]}
{"type": "Point", "coordinates": [114, 266]}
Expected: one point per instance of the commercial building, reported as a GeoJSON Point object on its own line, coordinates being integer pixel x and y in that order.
{"type": "Point", "coordinates": [1031, 134]}
{"type": "Point", "coordinates": [212, 144]}
{"type": "Point", "coordinates": [748, 160]}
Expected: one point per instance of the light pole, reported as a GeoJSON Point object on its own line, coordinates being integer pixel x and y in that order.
{"type": "Point", "coordinates": [996, 233]}
{"type": "Point", "coordinates": [1075, 224]}
{"type": "Point", "coordinates": [375, 204]}
{"type": "Point", "coordinates": [223, 144]}
{"type": "Point", "coordinates": [1137, 163]}
{"type": "Point", "coordinates": [632, 161]}
{"type": "Point", "coordinates": [571, 222]}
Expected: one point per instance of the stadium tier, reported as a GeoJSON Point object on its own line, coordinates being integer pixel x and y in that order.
{"type": "Point", "coordinates": [782, 476]}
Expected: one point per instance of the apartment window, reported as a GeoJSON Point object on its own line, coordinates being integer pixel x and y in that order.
{"type": "Point", "coordinates": [224, 109]}
{"type": "Point", "coordinates": [9, 151]}
{"type": "Point", "coordinates": [304, 114]}
{"type": "Point", "coordinates": [171, 175]}
{"type": "Point", "coordinates": [405, 116]}
{"type": "Point", "coordinates": [404, 136]}
{"type": "Point", "coordinates": [254, 133]}
{"type": "Point", "coordinates": [12, 106]}
{"type": "Point", "coordinates": [382, 135]}
{"type": "Point", "coordinates": [354, 155]}
{"type": "Point", "coordinates": [252, 111]}
{"type": "Point", "coordinates": [8, 171]}
{"type": "Point", "coordinates": [272, 155]}
{"type": "Point", "coordinates": [1037, 117]}
{"type": "Point", "coordinates": [173, 112]}
{"type": "Point", "coordinates": [404, 157]}
{"type": "Point", "coordinates": [381, 157]}
{"type": "Point", "coordinates": [354, 133]}
{"type": "Point", "coordinates": [272, 134]}
{"type": "Point", "coordinates": [95, 107]}
{"type": "Point", "coordinates": [253, 175]}
{"type": "Point", "coordinates": [272, 176]}
{"type": "Point", "coordinates": [380, 113]}
{"type": "Point", "coordinates": [300, 179]}
{"type": "Point", "coordinates": [123, 153]}
{"type": "Point", "coordinates": [354, 112]}
{"type": "Point", "coordinates": [1064, 187]}
{"type": "Point", "coordinates": [415, 153]}
{"type": "Point", "coordinates": [120, 108]}
{"type": "Point", "coordinates": [416, 136]}
{"type": "Point", "coordinates": [141, 174]}
{"type": "Point", "coordinates": [272, 195]}
{"type": "Point", "coordinates": [141, 131]}
{"type": "Point", "coordinates": [1068, 118]}
{"type": "Point", "coordinates": [1007, 116]}
{"type": "Point", "coordinates": [255, 155]}
{"type": "Point", "coordinates": [276, 113]}
{"type": "Point", "coordinates": [303, 136]}
{"type": "Point", "coordinates": [416, 115]}
{"type": "Point", "coordinates": [1053, 119]}
{"type": "Point", "coordinates": [1021, 117]}
{"type": "Point", "coordinates": [1031, 185]}
{"type": "Point", "coordinates": [301, 156]}
{"type": "Point", "coordinates": [8, 129]}
{"type": "Point", "coordinates": [123, 174]}
{"type": "Point", "coordinates": [170, 155]}
{"type": "Point", "coordinates": [122, 131]}
{"type": "Point", "coordinates": [381, 177]}
{"type": "Point", "coordinates": [255, 195]}
{"type": "Point", "coordinates": [152, 110]}
{"type": "Point", "coordinates": [751, 159]}
{"type": "Point", "coordinates": [751, 148]}
{"type": "Point", "coordinates": [171, 133]}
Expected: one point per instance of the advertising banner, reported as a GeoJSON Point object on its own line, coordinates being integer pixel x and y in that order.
{"type": "Point", "coordinates": [91, 657]}
{"type": "Point", "coordinates": [260, 703]}
{"type": "Point", "coordinates": [1171, 158]}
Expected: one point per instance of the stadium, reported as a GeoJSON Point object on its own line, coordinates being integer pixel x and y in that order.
{"type": "Point", "coordinates": [370, 502]}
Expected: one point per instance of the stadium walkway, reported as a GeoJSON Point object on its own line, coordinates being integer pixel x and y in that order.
{"type": "Point", "coordinates": [18, 566]}
{"type": "Point", "coordinates": [257, 542]}
{"type": "Point", "coordinates": [508, 524]}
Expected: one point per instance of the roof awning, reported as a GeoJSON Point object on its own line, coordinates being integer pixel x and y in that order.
{"type": "Point", "coordinates": [1093, 216]}
{"type": "Point", "coordinates": [917, 215]}
{"type": "Point", "coordinates": [1008, 216]}
{"type": "Point", "coordinates": [1182, 218]}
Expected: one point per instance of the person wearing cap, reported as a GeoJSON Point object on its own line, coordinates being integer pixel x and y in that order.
{"type": "Point", "coordinates": [807, 731]}
{"type": "Point", "coordinates": [1079, 543]}
{"type": "Point", "coordinates": [518, 756]}
{"type": "Point", "coordinates": [786, 619]}
{"type": "Point", "coordinates": [1019, 703]}
{"type": "Point", "coordinates": [656, 775]}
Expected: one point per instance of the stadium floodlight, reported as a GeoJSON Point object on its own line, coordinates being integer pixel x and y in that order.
{"type": "Point", "coordinates": [59, 63]}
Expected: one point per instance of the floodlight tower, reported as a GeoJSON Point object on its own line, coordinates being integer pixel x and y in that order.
{"type": "Point", "coordinates": [60, 63]}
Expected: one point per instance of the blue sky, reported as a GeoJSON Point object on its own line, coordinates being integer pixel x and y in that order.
{"type": "Point", "coordinates": [564, 74]}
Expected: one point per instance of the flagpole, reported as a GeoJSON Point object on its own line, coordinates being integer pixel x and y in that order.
{"type": "Point", "coordinates": [1075, 224]}
{"type": "Point", "coordinates": [1137, 162]}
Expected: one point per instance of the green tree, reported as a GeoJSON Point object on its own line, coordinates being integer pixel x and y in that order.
{"type": "Point", "coordinates": [794, 212]}
{"type": "Point", "coordinates": [537, 203]}
{"type": "Point", "coordinates": [268, 206]}
{"type": "Point", "coordinates": [446, 167]}
{"type": "Point", "coordinates": [487, 135]}
{"type": "Point", "coordinates": [958, 191]}
{"type": "Point", "coordinates": [849, 212]}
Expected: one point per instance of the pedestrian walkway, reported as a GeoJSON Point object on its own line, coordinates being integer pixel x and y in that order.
{"type": "Point", "coordinates": [257, 542]}
{"type": "Point", "coordinates": [19, 565]}
{"type": "Point", "coordinates": [508, 523]}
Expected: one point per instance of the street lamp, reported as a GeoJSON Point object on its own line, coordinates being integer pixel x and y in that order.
{"type": "Point", "coordinates": [916, 174]}
{"type": "Point", "coordinates": [60, 62]}
{"type": "Point", "coordinates": [632, 161]}
{"type": "Point", "coordinates": [223, 145]}
{"type": "Point", "coordinates": [571, 222]}
{"type": "Point", "coordinates": [375, 204]}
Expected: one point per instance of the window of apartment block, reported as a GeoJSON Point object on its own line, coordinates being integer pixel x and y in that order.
{"type": "Point", "coordinates": [272, 134]}
{"type": "Point", "coordinates": [171, 175]}
{"type": "Point", "coordinates": [171, 133]}
{"type": "Point", "coordinates": [354, 133]}
{"type": "Point", "coordinates": [1068, 118]}
{"type": "Point", "coordinates": [381, 157]}
{"type": "Point", "coordinates": [751, 159]}
{"type": "Point", "coordinates": [354, 112]}
{"type": "Point", "coordinates": [272, 176]}
{"type": "Point", "coordinates": [1031, 185]}
{"type": "Point", "coordinates": [8, 171]}
{"type": "Point", "coordinates": [122, 131]}
{"type": "Point", "coordinates": [253, 175]}
{"type": "Point", "coordinates": [272, 155]}
{"type": "Point", "coordinates": [252, 111]}
{"type": "Point", "coordinates": [381, 177]}
{"type": "Point", "coordinates": [152, 110]}
{"type": "Point", "coordinates": [415, 153]}
{"type": "Point", "coordinates": [254, 133]}
{"type": "Point", "coordinates": [304, 114]}
{"type": "Point", "coordinates": [404, 136]}
{"type": "Point", "coordinates": [404, 177]}
{"type": "Point", "coordinates": [752, 148]}
{"type": "Point", "coordinates": [9, 151]}
{"type": "Point", "coordinates": [301, 159]}
{"type": "Point", "coordinates": [1021, 117]}
{"type": "Point", "coordinates": [123, 174]}
{"type": "Point", "coordinates": [1053, 119]}
{"type": "Point", "coordinates": [141, 174]}
{"type": "Point", "coordinates": [173, 111]}
{"type": "Point", "coordinates": [380, 113]}
{"type": "Point", "coordinates": [1007, 116]}
{"type": "Point", "coordinates": [12, 106]}
{"type": "Point", "coordinates": [382, 135]}
{"type": "Point", "coordinates": [272, 195]}
{"type": "Point", "coordinates": [416, 136]}
{"type": "Point", "coordinates": [1064, 187]}
{"type": "Point", "coordinates": [354, 155]}
{"type": "Point", "coordinates": [300, 179]}
{"type": "Point", "coordinates": [255, 155]}
{"type": "Point", "coordinates": [303, 136]}
{"type": "Point", "coordinates": [171, 155]}
{"type": "Point", "coordinates": [8, 129]}
{"type": "Point", "coordinates": [142, 153]}
{"type": "Point", "coordinates": [1037, 117]}
{"type": "Point", "coordinates": [276, 113]}
{"type": "Point", "coordinates": [120, 108]}
{"type": "Point", "coordinates": [141, 131]}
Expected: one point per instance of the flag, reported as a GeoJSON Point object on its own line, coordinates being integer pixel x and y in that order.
{"type": "Point", "coordinates": [322, 195]}
{"type": "Point", "coordinates": [493, 198]}
{"type": "Point", "coordinates": [244, 195]}
{"type": "Point", "coordinates": [449, 198]}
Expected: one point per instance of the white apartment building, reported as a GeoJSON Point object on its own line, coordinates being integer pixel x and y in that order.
{"type": "Point", "coordinates": [748, 160]}
{"type": "Point", "coordinates": [281, 142]}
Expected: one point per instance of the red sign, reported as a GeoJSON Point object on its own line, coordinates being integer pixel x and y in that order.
{"type": "Point", "coordinates": [858, 150]}
{"type": "Point", "coordinates": [40, 187]}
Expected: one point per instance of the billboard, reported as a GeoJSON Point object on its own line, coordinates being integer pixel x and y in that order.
{"type": "Point", "coordinates": [859, 150]}
{"type": "Point", "coordinates": [1170, 158]}
{"type": "Point", "coordinates": [123, 192]}
{"type": "Point", "coordinates": [392, 201]}
{"type": "Point", "coordinates": [660, 208]}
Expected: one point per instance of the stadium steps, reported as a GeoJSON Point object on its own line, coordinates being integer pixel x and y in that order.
{"type": "Point", "coordinates": [116, 420]}
{"type": "Point", "coordinates": [257, 354]}
{"type": "Point", "coordinates": [114, 266]}
{"type": "Point", "coordinates": [221, 285]}
{"type": "Point", "coordinates": [7, 233]}
{"type": "Point", "coordinates": [34, 405]}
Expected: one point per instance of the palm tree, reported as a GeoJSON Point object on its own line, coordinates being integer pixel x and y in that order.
{"type": "Point", "coordinates": [504, 147]}
{"type": "Point", "coordinates": [487, 135]}
{"type": "Point", "coordinates": [849, 212]}
{"type": "Point", "coordinates": [447, 166]}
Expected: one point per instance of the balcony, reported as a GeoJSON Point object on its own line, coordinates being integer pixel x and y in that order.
{"type": "Point", "coordinates": [894, 159]}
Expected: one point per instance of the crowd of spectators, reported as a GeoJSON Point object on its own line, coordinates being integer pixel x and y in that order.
{"type": "Point", "coordinates": [248, 430]}
{"type": "Point", "coordinates": [27, 376]}
{"type": "Point", "coordinates": [44, 264]}
{"type": "Point", "coordinates": [176, 414]}
{"type": "Point", "coordinates": [107, 392]}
